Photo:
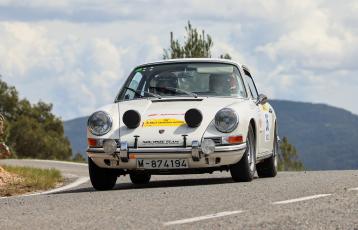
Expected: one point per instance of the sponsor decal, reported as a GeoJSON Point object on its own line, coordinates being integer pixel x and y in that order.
{"type": "Point", "coordinates": [163, 122]}
{"type": "Point", "coordinates": [161, 142]}
{"type": "Point", "coordinates": [165, 114]}
{"type": "Point", "coordinates": [265, 107]}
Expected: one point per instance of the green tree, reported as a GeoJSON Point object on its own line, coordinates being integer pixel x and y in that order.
{"type": "Point", "coordinates": [32, 131]}
{"type": "Point", "coordinates": [78, 158]}
{"type": "Point", "coordinates": [288, 157]}
{"type": "Point", "coordinates": [8, 100]}
{"type": "Point", "coordinates": [196, 45]}
{"type": "Point", "coordinates": [225, 56]}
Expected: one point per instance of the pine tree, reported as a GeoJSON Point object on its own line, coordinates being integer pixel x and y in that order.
{"type": "Point", "coordinates": [196, 45]}
{"type": "Point", "coordinates": [288, 157]}
{"type": "Point", "coordinates": [225, 56]}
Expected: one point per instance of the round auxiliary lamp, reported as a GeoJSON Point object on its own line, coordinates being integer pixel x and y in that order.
{"type": "Point", "coordinates": [193, 118]}
{"type": "Point", "coordinates": [131, 119]}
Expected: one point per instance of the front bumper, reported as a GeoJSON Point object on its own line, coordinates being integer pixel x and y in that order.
{"type": "Point", "coordinates": [126, 158]}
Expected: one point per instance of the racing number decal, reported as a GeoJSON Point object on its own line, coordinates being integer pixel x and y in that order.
{"type": "Point", "coordinates": [267, 127]}
{"type": "Point", "coordinates": [266, 121]}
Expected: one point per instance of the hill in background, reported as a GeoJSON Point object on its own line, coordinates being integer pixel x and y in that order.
{"type": "Point", "coordinates": [325, 137]}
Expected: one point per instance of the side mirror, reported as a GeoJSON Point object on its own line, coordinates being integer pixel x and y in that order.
{"type": "Point", "coordinates": [262, 99]}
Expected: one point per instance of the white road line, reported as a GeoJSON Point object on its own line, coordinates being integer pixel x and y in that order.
{"type": "Point", "coordinates": [79, 181]}
{"type": "Point", "coordinates": [301, 199]}
{"type": "Point", "coordinates": [63, 162]}
{"type": "Point", "coordinates": [353, 189]}
{"type": "Point", "coordinates": [199, 218]}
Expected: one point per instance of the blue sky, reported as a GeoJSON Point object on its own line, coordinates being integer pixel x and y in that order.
{"type": "Point", "coordinates": [76, 54]}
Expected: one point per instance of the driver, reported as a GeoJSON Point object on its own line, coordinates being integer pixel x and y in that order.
{"type": "Point", "coordinates": [165, 84]}
{"type": "Point", "coordinates": [223, 84]}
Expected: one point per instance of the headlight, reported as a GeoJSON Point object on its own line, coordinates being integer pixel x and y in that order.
{"type": "Point", "coordinates": [99, 123]}
{"type": "Point", "coordinates": [226, 120]}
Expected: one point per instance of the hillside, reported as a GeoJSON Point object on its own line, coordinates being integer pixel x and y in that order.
{"type": "Point", "coordinates": [325, 136]}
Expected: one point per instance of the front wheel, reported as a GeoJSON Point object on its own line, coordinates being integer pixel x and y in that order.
{"type": "Point", "coordinates": [244, 170]}
{"type": "Point", "coordinates": [101, 178]}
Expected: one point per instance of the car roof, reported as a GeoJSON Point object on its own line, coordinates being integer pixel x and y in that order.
{"type": "Point", "coordinates": [184, 60]}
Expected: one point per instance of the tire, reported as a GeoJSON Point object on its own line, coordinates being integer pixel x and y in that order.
{"type": "Point", "coordinates": [244, 170]}
{"type": "Point", "coordinates": [268, 168]}
{"type": "Point", "coordinates": [140, 177]}
{"type": "Point", "coordinates": [101, 178]}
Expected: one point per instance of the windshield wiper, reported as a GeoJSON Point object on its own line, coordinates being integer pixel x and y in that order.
{"type": "Point", "coordinates": [137, 92]}
{"type": "Point", "coordinates": [174, 90]}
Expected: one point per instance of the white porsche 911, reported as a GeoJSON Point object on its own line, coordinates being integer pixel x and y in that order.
{"type": "Point", "coordinates": [183, 116]}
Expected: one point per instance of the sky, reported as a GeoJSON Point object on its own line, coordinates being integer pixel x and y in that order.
{"type": "Point", "coordinates": [76, 54]}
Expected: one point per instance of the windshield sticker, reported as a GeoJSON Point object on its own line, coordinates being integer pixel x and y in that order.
{"type": "Point", "coordinates": [138, 70]}
{"type": "Point", "coordinates": [163, 122]}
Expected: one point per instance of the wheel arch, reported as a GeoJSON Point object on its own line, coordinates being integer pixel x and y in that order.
{"type": "Point", "coordinates": [254, 127]}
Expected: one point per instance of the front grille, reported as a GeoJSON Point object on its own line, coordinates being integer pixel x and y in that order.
{"type": "Point", "coordinates": [217, 140]}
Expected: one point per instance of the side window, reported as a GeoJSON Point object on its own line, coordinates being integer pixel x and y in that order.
{"type": "Point", "coordinates": [252, 87]}
{"type": "Point", "coordinates": [129, 95]}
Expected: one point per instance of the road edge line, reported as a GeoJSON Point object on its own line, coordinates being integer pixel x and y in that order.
{"type": "Point", "coordinates": [55, 161]}
{"type": "Point", "coordinates": [77, 182]}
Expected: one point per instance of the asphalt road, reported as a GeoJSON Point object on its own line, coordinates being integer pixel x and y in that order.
{"type": "Point", "coordinates": [292, 200]}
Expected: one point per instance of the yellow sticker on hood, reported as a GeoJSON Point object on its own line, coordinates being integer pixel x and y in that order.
{"type": "Point", "coordinates": [163, 122]}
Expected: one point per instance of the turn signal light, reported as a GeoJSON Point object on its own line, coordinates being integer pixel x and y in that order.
{"type": "Point", "coordinates": [92, 142]}
{"type": "Point", "coordinates": [235, 139]}
{"type": "Point", "coordinates": [232, 140]}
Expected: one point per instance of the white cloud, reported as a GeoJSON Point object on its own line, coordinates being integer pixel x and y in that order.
{"type": "Point", "coordinates": [23, 47]}
{"type": "Point", "coordinates": [70, 72]}
{"type": "Point", "coordinates": [76, 54]}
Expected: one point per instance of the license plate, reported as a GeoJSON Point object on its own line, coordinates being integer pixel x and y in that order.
{"type": "Point", "coordinates": [162, 163]}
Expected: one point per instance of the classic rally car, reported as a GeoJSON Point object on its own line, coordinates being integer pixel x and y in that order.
{"type": "Point", "coordinates": [183, 116]}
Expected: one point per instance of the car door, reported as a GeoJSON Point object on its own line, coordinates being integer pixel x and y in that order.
{"type": "Point", "coordinates": [264, 121]}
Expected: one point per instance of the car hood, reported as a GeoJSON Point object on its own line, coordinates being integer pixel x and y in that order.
{"type": "Point", "coordinates": [162, 120]}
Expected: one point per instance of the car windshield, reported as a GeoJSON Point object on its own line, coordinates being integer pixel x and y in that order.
{"type": "Point", "coordinates": [183, 79]}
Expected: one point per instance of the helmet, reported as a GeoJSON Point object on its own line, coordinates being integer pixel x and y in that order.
{"type": "Point", "coordinates": [164, 83]}
{"type": "Point", "coordinates": [222, 84]}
